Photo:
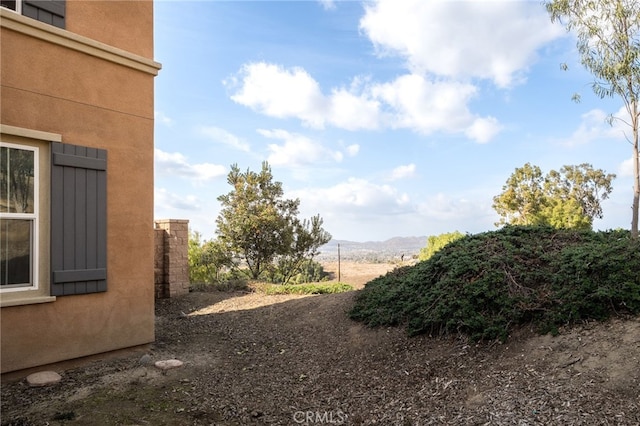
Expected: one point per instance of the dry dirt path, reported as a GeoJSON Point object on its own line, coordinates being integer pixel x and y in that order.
{"type": "Point", "coordinates": [283, 360]}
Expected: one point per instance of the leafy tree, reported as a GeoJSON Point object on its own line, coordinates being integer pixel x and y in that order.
{"type": "Point", "coordinates": [306, 237]}
{"type": "Point", "coordinates": [254, 220]}
{"type": "Point", "coordinates": [437, 242]}
{"type": "Point", "coordinates": [206, 259]}
{"type": "Point", "coordinates": [582, 183]}
{"type": "Point", "coordinates": [569, 198]}
{"type": "Point", "coordinates": [563, 213]}
{"type": "Point", "coordinates": [198, 271]}
{"type": "Point", "coordinates": [608, 34]}
{"type": "Point", "coordinates": [259, 227]}
{"type": "Point", "coordinates": [522, 196]}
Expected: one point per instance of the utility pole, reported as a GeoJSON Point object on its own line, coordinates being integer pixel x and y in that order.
{"type": "Point", "coordinates": [338, 262]}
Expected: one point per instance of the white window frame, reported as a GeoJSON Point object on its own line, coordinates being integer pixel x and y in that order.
{"type": "Point", "coordinates": [33, 217]}
{"type": "Point", "coordinates": [18, 7]}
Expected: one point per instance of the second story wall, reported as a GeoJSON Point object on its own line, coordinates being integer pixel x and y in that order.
{"type": "Point", "coordinates": [127, 25]}
{"type": "Point", "coordinates": [42, 64]}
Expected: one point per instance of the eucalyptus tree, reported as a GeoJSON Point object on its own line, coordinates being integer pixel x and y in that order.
{"type": "Point", "coordinates": [522, 196]}
{"type": "Point", "coordinates": [608, 33]}
{"type": "Point", "coordinates": [569, 198]}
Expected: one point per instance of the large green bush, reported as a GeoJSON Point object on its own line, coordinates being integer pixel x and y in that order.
{"type": "Point", "coordinates": [481, 285]}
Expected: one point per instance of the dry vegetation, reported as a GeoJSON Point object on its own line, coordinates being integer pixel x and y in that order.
{"type": "Point", "coordinates": [255, 359]}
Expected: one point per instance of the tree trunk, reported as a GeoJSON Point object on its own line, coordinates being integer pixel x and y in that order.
{"type": "Point", "coordinates": [636, 187]}
{"type": "Point", "coordinates": [635, 160]}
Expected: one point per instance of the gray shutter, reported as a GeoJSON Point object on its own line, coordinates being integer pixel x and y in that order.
{"type": "Point", "coordinates": [48, 11]}
{"type": "Point", "coordinates": [78, 219]}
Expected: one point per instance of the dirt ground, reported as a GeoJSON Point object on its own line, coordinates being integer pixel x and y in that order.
{"type": "Point", "coordinates": [287, 360]}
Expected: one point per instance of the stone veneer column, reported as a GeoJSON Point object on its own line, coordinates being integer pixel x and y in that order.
{"type": "Point", "coordinates": [158, 263]}
{"type": "Point", "coordinates": [175, 261]}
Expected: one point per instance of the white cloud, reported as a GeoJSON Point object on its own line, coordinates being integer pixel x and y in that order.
{"type": "Point", "coordinates": [297, 150]}
{"type": "Point", "coordinates": [447, 208]}
{"type": "Point", "coordinates": [363, 210]}
{"type": "Point", "coordinates": [494, 40]}
{"type": "Point", "coordinates": [355, 195]}
{"type": "Point", "coordinates": [352, 150]}
{"type": "Point", "coordinates": [159, 116]}
{"type": "Point", "coordinates": [403, 172]}
{"type": "Point", "coordinates": [278, 92]}
{"type": "Point", "coordinates": [220, 135]}
{"type": "Point", "coordinates": [594, 127]}
{"type": "Point", "coordinates": [427, 106]}
{"type": "Point", "coordinates": [352, 111]}
{"type": "Point", "coordinates": [328, 4]}
{"type": "Point", "coordinates": [292, 93]}
{"type": "Point", "coordinates": [176, 165]}
{"type": "Point", "coordinates": [483, 129]}
{"type": "Point", "coordinates": [166, 201]}
{"type": "Point", "coordinates": [410, 101]}
{"type": "Point", "coordinates": [200, 211]}
{"type": "Point", "coordinates": [626, 168]}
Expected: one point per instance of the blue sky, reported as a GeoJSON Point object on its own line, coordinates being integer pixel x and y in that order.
{"type": "Point", "coordinates": [387, 117]}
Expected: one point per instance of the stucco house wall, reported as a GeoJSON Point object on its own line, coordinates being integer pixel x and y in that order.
{"type": "Point", "coordinates": [90, 84]}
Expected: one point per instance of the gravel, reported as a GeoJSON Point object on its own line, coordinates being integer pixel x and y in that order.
{"type": "Point", "coordinates": [287, 360]}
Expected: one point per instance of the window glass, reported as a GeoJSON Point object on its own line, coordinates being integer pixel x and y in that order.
{"type": "Point", "coordinates": [18, 215]}
{"type": "Point", "coordinates": [16, 180]}
{"type": "Point", "coordinates": [9, 4]}
{"type": "Point", "coordinates": [16, 238]}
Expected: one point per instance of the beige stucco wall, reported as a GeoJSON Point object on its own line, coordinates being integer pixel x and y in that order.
{"type": "Point", "coordinates": [98, 103]}
{"type": "Point", "coordinates": [126, 24]}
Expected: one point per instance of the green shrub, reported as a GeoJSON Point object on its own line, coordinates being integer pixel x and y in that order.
{"type": "Point", "coordinates": [483, 284]}
{"type": "Point", "coordinates": [309, 271]}
{"type": "Point", "coordinates": [437, 242]}
{"type": "Point", "coordinates": [207, 261]}
{"type": "Point", "coordinates": [201, 272]}
{"type": "Point", "coordinates": [234, 280]}
{"type": "Point", "coordinates": [313, 288]}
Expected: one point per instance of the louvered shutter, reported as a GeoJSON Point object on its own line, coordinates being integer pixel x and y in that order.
{"type": "Point", "coordinates": [78, 220]}
{"type": "Point", "coordinates": [48, 11]}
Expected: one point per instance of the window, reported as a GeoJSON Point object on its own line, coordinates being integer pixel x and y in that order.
{"type": "Point", "coordinates": [19, 205]}
{"type": "Point", "coordinates": [24, 216]}
{"type": "Point", "coordinates": [48, 11]}
{"type": "Point", "coordinates": [53, 217]}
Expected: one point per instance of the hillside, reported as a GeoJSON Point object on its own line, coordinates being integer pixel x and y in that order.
{"type": "Point", "coordinates": [373, 251]}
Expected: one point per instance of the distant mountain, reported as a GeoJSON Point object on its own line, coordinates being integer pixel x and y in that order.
{"type": "Point", "coordinates": [390, 249]}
